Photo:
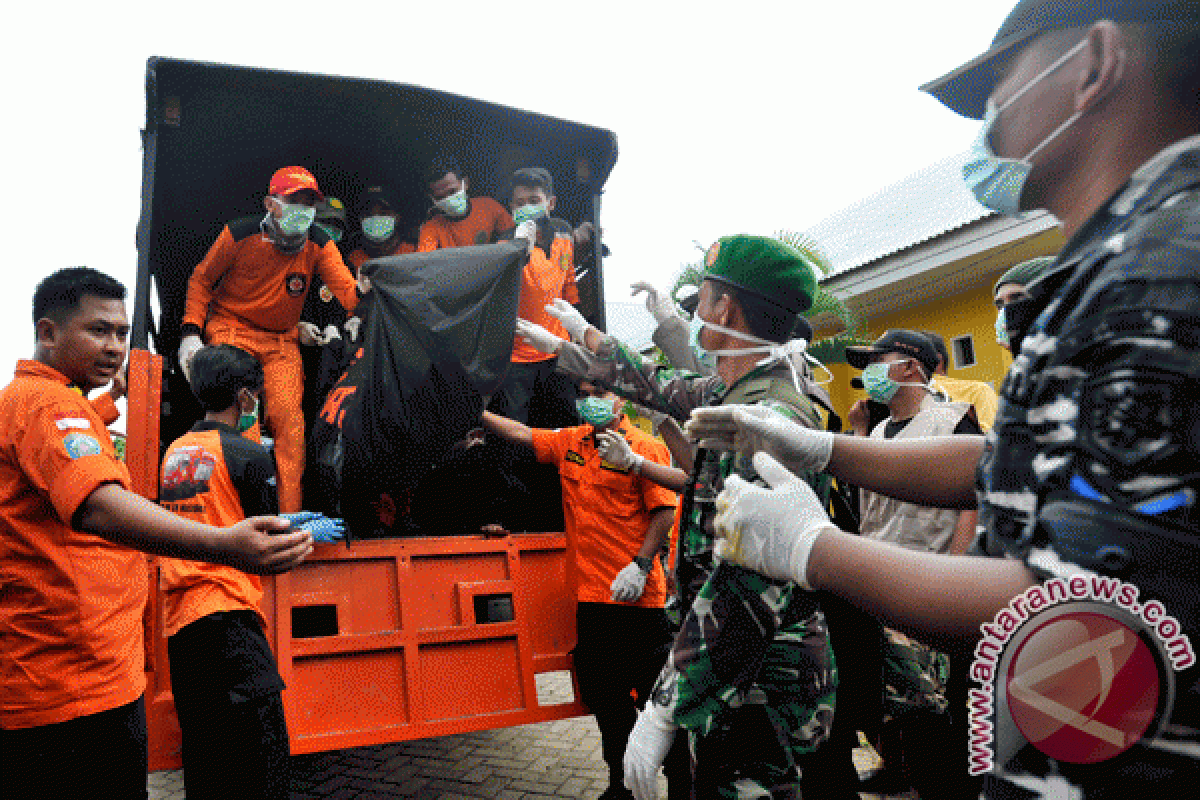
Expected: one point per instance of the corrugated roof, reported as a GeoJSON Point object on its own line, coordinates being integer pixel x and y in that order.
{"type": "Point", "coordinates": [926, 204]}
{"type": "Point", "coordinates": [631, 323]}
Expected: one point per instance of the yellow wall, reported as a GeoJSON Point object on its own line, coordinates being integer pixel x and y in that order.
{"type": "Point", "coordinates": [970, 312]}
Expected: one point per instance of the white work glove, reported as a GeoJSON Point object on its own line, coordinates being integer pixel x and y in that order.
{"type": "Point", "coordinates": [771, 531]}
{"type": "Point", "coordinates": [613, 448]}
{"type": "Point", "coordinates": [352, 326]}
{"type": "Point", "coordinates": [752, 429]}
{"type": "Point", "coordinates": [538, 337]}
{"type": "Point", "coordinates": [629, 584]}
{"type": "Point", "coordinates": [657, 418]}
{"type": "Point", "coordinates": [331, 333]}
{"type": "Point", "coordinates": [527, 230]}
{"type": "Point", "coordinates": [187, 349]}
{"type": "Point", "coordinates": [647, 748]}
{"type": "Point", "coordinates": [657, 303]}
{"type": "Point", "coordinates": [570, 318]}
{"type": "Point", "coordinates": [310, 334]}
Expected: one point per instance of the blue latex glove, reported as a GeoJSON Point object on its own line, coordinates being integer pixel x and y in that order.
{"type": "Point", "coordinates": [322, 528]}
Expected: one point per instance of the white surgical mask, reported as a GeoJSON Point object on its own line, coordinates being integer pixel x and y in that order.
{"type": "Point", "coordinates": [379, 228]}
{"type": "Point", "coordinates": [295, 218]}
{"type": "Point", "coordinates": [456, 204]}
{"type": "Point", "coordinates": [775, 350]}
{"type": "Point", "coordinates": [996, 182]}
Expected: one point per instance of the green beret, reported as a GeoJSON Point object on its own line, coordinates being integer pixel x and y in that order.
{"type": "Point", "coordinates": [766, 267]}
{"type": "Point", "coordinates": [1026, 272]}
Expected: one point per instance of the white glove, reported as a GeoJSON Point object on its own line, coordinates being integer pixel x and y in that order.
{"type": "Point", "coordinates": [570, 318]}
{"type": "Point", "coordinates": [629, 584]}
{"type": "Point", "coordinates": [752, 429]}
{"type": "Point", "coordinates": [537, 336]}
{"type": "Point", "coordinates": [352, 326]}
{"type": "Point", "coordinates": [527, 230]}
{"type": "Point", "coordinates": [647, 748]}
{"type": "Point", "coordinates": [657, 418]}
{"type": "Point", "coordinates": [331, 333]}
{"type": "Point", "coordinates": [613, 448]}
{"type": "Point", "coordinates": [771, 531]}
{"type": "Point", "coordinates": [310, 334]}
{"type": "Point", "coordinates": [187, 349]}
{"type": "Point", "coordinates": [657, 303]}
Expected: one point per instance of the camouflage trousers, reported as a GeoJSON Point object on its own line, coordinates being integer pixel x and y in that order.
{"type": "Point", "coordinates": [740, 758]}
{"type": "Point", "coordinates": [914, 676]}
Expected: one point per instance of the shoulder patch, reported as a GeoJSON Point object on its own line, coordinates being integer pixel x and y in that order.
{"type": "Point", "coordinates": [296, 283]}
{"type": "Point", "coordinates": [574, 457]}
{"type": "Point", "coordinates": [79, 445]}
{"type": "Point", "coordinates": [244, 227]}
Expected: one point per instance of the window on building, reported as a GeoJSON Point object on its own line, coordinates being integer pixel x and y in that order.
{"type": "Point", "coordinates": [964, 352]}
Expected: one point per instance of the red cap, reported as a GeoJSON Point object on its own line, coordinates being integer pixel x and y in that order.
{"type": "Point", "coordinates": [293, 179]}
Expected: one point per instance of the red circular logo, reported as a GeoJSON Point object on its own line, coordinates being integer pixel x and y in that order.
{"type": "Point", "coordinates": [1083, 687]}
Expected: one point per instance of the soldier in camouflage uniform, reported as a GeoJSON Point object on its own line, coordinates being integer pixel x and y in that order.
{"type": "Point", "coordinates": [751, 675]}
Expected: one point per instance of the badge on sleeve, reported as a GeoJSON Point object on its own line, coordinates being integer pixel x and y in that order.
{"type": "Point", "coordinates": [325, 293]}
{"type": "Point", "coordinates": [79, 445]}
{"type": "Point", "coordinates": [296, 283]}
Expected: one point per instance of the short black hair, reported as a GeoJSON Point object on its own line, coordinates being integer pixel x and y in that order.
{"type": "Point", "coordinates": [764, 319]}
{"type": "Point", "coordinates": [532, 178]}
{"type": "Point", "coordinates": [440, 166]}
{"type": "Point", "coordinates": [60, 293]}
{"type": "Point", "coordinates": [939, 344]}
{"type": "Point", "coordinates": [1175, 54]}
{"type": "Point", "coordinates": [220, 371]}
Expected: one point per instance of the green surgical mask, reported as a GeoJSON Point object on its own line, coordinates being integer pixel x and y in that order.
{"type": "Point", "coordinates": [295, 218]}
{"type": "Point", "coordinates": [455, 205]}
{"type": "Point", "coordinates": [247, 418]}
{"type": "Point", "coordinates": [596, 411]}
{"type": "Point", "coordinates": [379, 228]}
{"type": "Point", "coordinates": [528, 212]}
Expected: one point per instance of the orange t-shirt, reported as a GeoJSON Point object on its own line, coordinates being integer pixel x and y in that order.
{"type": "Point", "coordinates": [485, 221]}
{"type": "Point", "coordinates": [607, 511]}
{"type": "Point", "coordinates": [359, 257]}
{"type": "Point", "coordinates": [247, 280]}
{"type": "Point", "coordinates": [546, 278]}
{"type": "Point", "coordinates": [70, 602]}
{"type": "Point", "coordinates": [215, 476]}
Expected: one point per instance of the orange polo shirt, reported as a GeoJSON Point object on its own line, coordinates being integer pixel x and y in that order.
{"type": "Point", "coordinates": [485, 221]}
{"type": "Point", "coordinates": [545, 278]}
{"type": "Point", "coordinates": [607, 511]}
{"type": "Point", "coordinates": [359, 257]}
{"type": "Point", "coordinates": [249, 281]}
{"type": "Point", "coordinates": [215, 476]}
{"type": "Point", "coordinates": [70, 602]}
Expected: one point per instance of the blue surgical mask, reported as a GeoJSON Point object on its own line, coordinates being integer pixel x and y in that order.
{"type": "Point", "coordinates": [996, 182]}
{"type": "Point", "coordinates": [879, 385]}
{"type": "Point", "coordinates": [247, 419]}
{"type": "Point", "coordinates": [295, 218]}
{"type": "Point", "coordinates": [455, 205]}
{"type": "Point", "coordinates": [379, 228]}
{"type": "Point", "coordinates": [1002, 328]}
{"type": "Point", "coordinates": [595, 411]}
{"type": "Point", "coordinates": [528, 212]}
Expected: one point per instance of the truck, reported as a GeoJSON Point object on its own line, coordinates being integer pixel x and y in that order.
{"type": "Point", "coordinates": [379, 640]}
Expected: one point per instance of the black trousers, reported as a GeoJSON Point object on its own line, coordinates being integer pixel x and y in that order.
{"type": "Point", "coordinates": [100, 756]}
{"type": "Point", "coordinates": [620, 650]}
{"type": "Point", "coordinates": [226, 687]}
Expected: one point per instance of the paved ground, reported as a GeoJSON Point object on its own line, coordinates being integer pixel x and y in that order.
{"type": "Point", "coordinates": [533, 762]}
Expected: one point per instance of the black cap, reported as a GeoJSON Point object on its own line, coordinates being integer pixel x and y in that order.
{"type": "Point", "coordinates": [906, 343]}
{"type": "Point", "coordinates": [966, 89]}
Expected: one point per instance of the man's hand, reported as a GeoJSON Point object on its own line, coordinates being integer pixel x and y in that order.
{"type": "Point", "coordinates": [262, 545]}
{"type": "Point", "coordinates": [310, 334]}
{"type": "Point", "coordinates": [647, 747]}
{"type": "Point", "coordinates": [352, 326]}
{"type": "Point", "coordinates": [583, 234]}
{"type": "Point", "coordinates": [629, 584]}
{"type": "Point", "coordinates": [613, 448]}
{"type": "Point", "coordinates": [657, 303]}
{"type": "Point", "coordinates": [527, 230]}
{"type": "Point", "coordinates": [752, 429]}
{"type": "Point", "coordinates": [538, 337]}
{"type": "Point", "coordinates": [859, 418]}
{"type": "Point", "coordinates": [771, 531]}
{"type": "Point", "coordinates": [570, 318]}
{"type": "Point", "coordinates": [188, 347]}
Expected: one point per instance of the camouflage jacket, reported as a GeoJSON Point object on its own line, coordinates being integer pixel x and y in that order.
{"type": "Point", "coordinates": [745, 639]}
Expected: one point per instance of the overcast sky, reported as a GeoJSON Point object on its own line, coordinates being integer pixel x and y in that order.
{"type": "Point", "coordinates": [751, 117]}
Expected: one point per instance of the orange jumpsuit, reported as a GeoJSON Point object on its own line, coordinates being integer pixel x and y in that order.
{"type": "Point", "coordinates": [485, 221]}
{"type": "Point", "coordinates": [545, 279]}
{"type": "Point", "coordinates": [249, 293]}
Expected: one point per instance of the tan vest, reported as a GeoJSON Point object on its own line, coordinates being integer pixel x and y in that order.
{"type": "Point", "coordinates": [915, 527]}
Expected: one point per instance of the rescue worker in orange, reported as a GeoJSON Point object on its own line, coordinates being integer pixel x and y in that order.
{"type": "Point", "coordinates": [382, 231]}
{"type": "Point", "coordinates": [223, 676]}
{"type": "Point", "coordinates": [616, 523]}
{"type": "Point", "coordinates": [458, 220]}
{"type": "Point", "coordinates": [72, 673]}
{"type": "Point", "coordinates": [249, 292]}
